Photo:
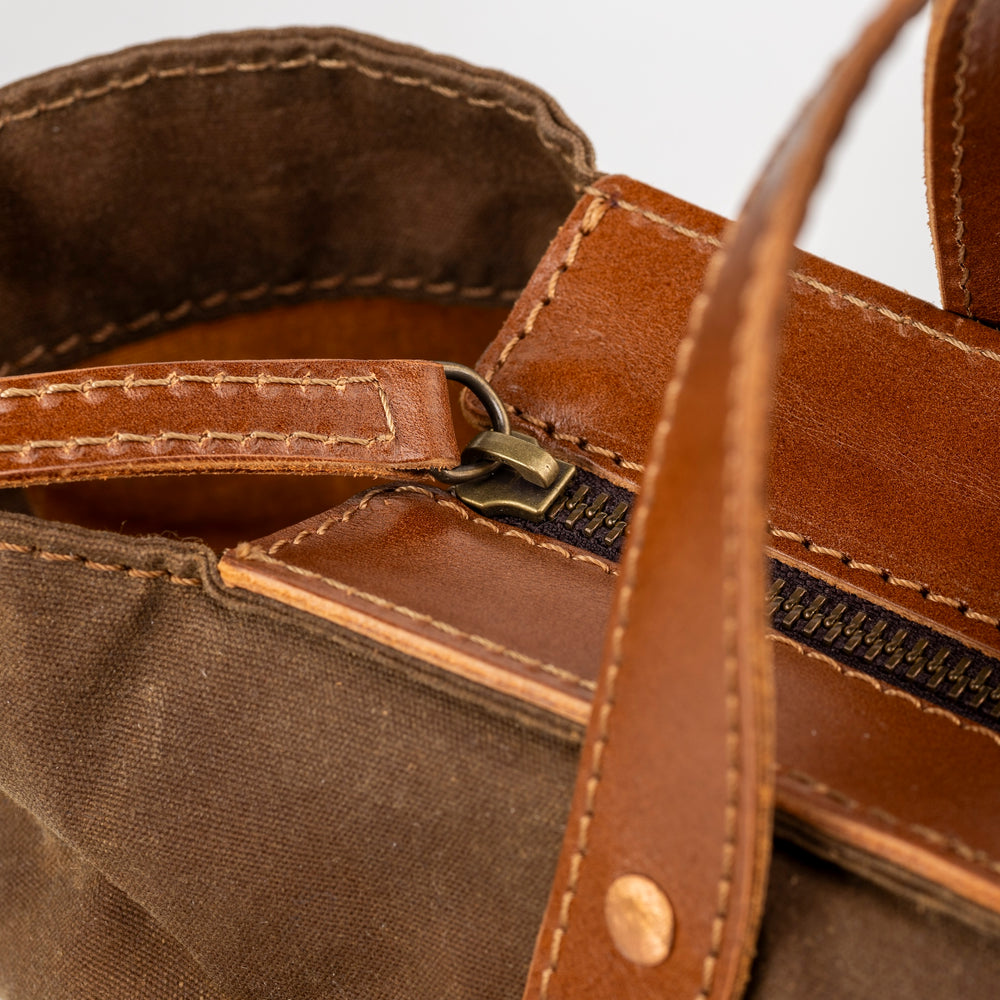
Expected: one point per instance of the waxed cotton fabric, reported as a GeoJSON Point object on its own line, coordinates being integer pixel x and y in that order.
{"type": "Point", "coordinates": [216, 789]}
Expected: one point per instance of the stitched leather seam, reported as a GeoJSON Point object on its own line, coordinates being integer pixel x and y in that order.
{"type": "Point", "coordinates": [730, 624]}
{"type": "Point", "coordinates": [950, 845]}
{"type": "Point", "coordinates": [289, 290]}
{"type": "Point", "coordinates": [604, 706]}
{"type": "Point", "coordinates": [549, 429]}
{"type": "Point", "coordinates": [206, 437]}
{"type": "Point", "coordinates": [201, 440]}
{"type": "Point", "coordinates": [958, 151]}
{"type": "Point", "coordinates": [87, 563]}
{"type": "Point", "coordinates": [117, 85]}
{"type": "Point", "coordinates": [889, 692]}
{"type": "Point", "coordinates": [886, 576]}
{"type": "Point", "coordinates": [805, 279]}
{"type": "Point", "coordinates": [445, 500]}
{"type": "Point", "coordinates": [177, 378]}
{"type": "Point", "coordinates": [249, 551]}
{"type": "Point", "coordinates": [590, 221]}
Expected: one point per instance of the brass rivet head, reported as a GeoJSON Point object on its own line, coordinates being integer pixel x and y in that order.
{"type": "Point", "coordinates": [640, 919]}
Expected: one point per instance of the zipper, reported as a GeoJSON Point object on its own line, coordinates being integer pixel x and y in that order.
{"type": "Point", "coordinates": [590, 513]}
{"type": "Point", "coordinates": [587, 512]}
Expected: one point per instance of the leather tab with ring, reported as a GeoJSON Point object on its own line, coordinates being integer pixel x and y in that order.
{"type": "Point", "coordinates": [498, 446]}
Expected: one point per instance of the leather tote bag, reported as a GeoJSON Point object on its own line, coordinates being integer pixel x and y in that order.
{"type": "Point", "coordinates": [655, 652]}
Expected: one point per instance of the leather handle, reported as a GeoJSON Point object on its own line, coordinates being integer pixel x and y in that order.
{"type": "Point", "coordinates": [354, 417]}
{"type": "Point", "coordinates": [961, 146]}
{"type": "Point", "coordinates": [660, 882]}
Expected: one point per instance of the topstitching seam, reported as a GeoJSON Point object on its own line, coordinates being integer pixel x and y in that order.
{"type": "Point", "coordinates": [586, 445]}
{"type": "Point", "coordinates": [288, 290]}
{"type": "Point", "coordinates": [886, 576]}
{"type": "Point", "coordinates": [951, 845]}
{"type": "Point", "coordinates": [445, 500]}
{"type": "Point", "coordinates": [177, 378]}
{"type": "Point", "coordinates": [958, 151]}
{"type": "Point", "coordinates": [205, 437]}
{"type": "Point", "coordinates": [87, 563]}
{"type": "Point", "coordinates": [606, 707]}
{"type": "Point", "coordinates": [884, 689]}
{"type": "Point", "coordinates": [591, 220]}
{"type": "Point", "coordinates": [153, 74]}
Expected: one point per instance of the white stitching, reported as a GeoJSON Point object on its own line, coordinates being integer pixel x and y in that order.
{"type": "Point", "coordinates": [886, 575]}
{"type": "Point", "coordinates": [131, 382]}
{"type": "Point", "coordinates": [310, 60]}
{"type": "Point", "coordinates": [289, 290]}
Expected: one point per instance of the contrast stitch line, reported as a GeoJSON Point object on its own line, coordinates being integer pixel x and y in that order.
{"type": "Point", "coordinates": [730, 625]}
{"type": "Point", "coordinates": [958, 151]}
{"type": "Point", "coordinates": [804, 279]}
{"type": "Point", "coordinates": [889, 692]}
{"type": "Point", "coordinates": [549, 429]}
{"type": "Point", "coordinates": [445, 500]}
{"type": "Point", "coordinates": [606, 706]}
{"type": "Point", "coordinates": [205, 437]}
{"type": "Point", "coordinates": [288, 290]}
{"type": "Point", "coordinates": [201, 440]}
{"type": "Point", "coordinates": [886, 576]}
{"type": "Point", "coordinates": [951, 845]}
{"type": "Point", "coordinates": [591, 219]}
{"type": "Point", "coordinates": [131, 382]}
{"type": "Point", "coordinates": [87, 563]}
{"type": "Point", "coordinates": [254, 552]}
{"type": "Point", "coordinates": [117, 85]}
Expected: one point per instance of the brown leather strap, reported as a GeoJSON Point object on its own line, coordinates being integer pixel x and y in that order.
{"type": "Point", "coordinates": [661, 877]}
{"type": "Point", "coordinates": [962, 143]}
{"type": "Point", "coordinates": [355, 417]}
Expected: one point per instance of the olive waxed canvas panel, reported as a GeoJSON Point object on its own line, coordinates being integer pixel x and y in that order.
{"type": "Point", "coordinates": [300, 813]}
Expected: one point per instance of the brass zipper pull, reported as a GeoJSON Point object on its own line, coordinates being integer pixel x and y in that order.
{"type": "Point", "coordinates": [528, 482]}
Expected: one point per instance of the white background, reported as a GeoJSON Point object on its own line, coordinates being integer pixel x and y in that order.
{"type": "Point", "coordinates": [687, 95]}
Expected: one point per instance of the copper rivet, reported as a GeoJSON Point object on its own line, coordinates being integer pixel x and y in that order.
{"type": "Point", "coordinates": [640, 919]}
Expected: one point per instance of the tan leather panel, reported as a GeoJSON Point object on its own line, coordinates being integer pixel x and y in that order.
{"type": "Point", "coordinates": [883, 441]}
{"type": "Point", "coordinates": [316, 417]}
{"type": "Point", "coordinates": [367, 565]}
{"type": "Point", "coordinates": [962, 119]}
{"type": "Point", "coordinates": [882, 770]}
{"type": "Point", "coordinates": [914, 782]}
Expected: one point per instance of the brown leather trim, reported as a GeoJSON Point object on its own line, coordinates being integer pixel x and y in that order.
{"type": "Point", "coordinates": [276, 416]}
{"type": "Point", "coordinates": [324, 566]}
{"type": "Point", "coordinates": [906, 499]}
{"type": "Point", "coordinates": [962, 118]}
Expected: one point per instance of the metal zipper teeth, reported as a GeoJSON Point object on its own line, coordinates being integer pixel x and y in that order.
{"type": "Point", "coordinates": [858, 633]}
{"type": "Point", "coordinates": [592, 514]}
{"type": "Point", "coordinates": [886, 646]}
